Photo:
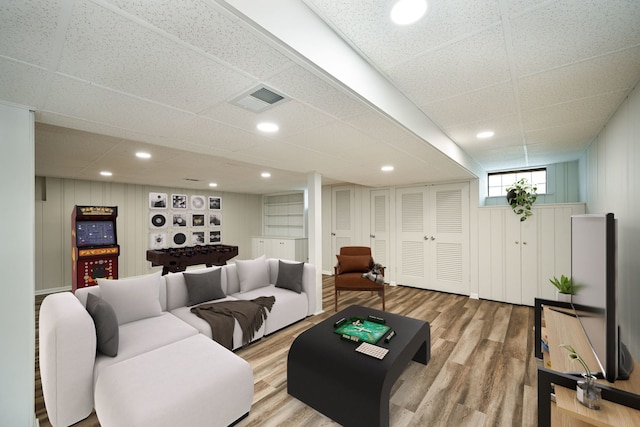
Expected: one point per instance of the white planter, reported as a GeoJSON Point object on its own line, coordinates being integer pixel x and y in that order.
{"type": "Point", "coordinates": [563, 297]}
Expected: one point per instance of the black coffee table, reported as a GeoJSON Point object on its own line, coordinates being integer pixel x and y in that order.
{"type": "Point", "coordinates": [325, 372]}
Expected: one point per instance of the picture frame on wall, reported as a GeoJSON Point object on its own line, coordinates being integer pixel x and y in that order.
{"type": "Point", "coordinates": [157, 220]}
{"type": "Point", "coordinates": [157, 200]}
{"type": "Point", "coordinates": [197, 220]}
{"type": "Point", "coordinates": [215, 219]}
{"type": "Point", "coordinates": [215, 203]}
{"type": "Point", "coordinates": [179, 238]}
{"type": "Point", "coordinates": [157, 240]}
{"type": "Point", "coordinates": [180, 219]}
{"type": "Point", "coordinates": [198, 203]}
{"type": "Point", "coordinates": [179, 201]}
{"type": "Point", "coordinates": [215, 236]}
{"type": "Point", "coordinates": [197, 238]}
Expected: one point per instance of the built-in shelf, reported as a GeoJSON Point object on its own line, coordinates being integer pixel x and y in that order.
{"type": "Point", "coordinates": [283, 215]}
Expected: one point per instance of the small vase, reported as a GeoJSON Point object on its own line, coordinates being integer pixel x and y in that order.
{"type": "Point", "coordinates": [587, 393]}
{"type": "Point", "coordinates": [563, 297]}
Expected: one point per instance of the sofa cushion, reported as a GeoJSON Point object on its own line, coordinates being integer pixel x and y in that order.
{"type": "Point", "coordinates": [204, 287]}
{"type": "Point", "coordinates": [177, 294]}
{"type": "Point", "coordinates": [133, 298]}
{"type": "Point", "coordinates": [106, 324]}
{"type": "Point", "coordinates": [145, 335]}
{"type": "Point", "coordinates": [252, 273]}
{"type": "Point", "coordinates": [192, 382]}
{"type": "Point", "coordinates": [354, 263]}
{"type": "Point", "coordinates": [290, 275]}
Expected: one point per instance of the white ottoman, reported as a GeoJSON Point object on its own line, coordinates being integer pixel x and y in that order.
{"type": "Point", "coordinates": [192, 382]}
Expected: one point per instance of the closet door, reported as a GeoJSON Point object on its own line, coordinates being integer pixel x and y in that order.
{"type": "Point", "coordinates": [448, 243]}
{"type": "Point", "coordinates": [379, 237]}
{"type": "Point", "coordinates": [343, 220]}
{"type": "Point", "coordinates": [411, 243]}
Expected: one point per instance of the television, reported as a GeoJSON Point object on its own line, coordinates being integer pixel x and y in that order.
{"type": "Point", "coordinates": [594, 272]}
{"type": "Point", "coordinates": [95, 233]}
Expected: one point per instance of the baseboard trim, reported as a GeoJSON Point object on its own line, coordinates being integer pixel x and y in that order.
{"type": "Point", "coordinates": [52, 290]}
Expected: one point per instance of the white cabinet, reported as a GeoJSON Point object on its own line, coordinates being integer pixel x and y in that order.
{"type": "Point", "coordinates": [432, 237]}
{"type": "Point", "coordinates": [283, 248]}
{"type": "Point", "coordinates": [516, 259]}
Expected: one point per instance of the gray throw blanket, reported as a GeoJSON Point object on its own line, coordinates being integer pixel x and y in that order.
{"type": "Point", "coordinates": [220, 316]}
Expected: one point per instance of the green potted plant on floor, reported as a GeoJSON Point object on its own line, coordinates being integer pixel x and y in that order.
{"type": "Point", "coordinates": [521, 196]}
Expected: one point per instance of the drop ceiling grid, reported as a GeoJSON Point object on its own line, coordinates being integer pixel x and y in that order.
{"type": "Point", "coordinates": [22, 83]}
{"type": "Point", "coordinates": [481, 107]}
{"type": "Point", "coordinates": [92, 103]}
{"type": "Point", "coordinates": [581, 80]}
{"type": "Point", "coordinates": [210, 27]}
{"type": "Point", "coordinates": [105, 48]}
{"type": "Point", "coordinates": [566, 32]}
{"type": "Point", "coordinates": [39, 19]}
{"type": "Point", "coordinates": [302, 85]}
{"type": "Point", "coordinates": [470, 64]}
{"type": "Point", "coordinates": [368, 26]}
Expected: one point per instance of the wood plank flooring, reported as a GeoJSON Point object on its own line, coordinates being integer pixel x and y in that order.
{"type": "Point", "coordinates": [482, 370]}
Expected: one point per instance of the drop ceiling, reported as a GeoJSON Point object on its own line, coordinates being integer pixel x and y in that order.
{"type": "Point", "coordinates": [111, 77]}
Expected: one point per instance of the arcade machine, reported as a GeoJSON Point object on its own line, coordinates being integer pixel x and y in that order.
{"type": "Point", "coordinates": [94, 244]}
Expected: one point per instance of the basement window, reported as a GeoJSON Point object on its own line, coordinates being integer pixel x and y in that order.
{"type": "Point", "coordinates": [499, 181]}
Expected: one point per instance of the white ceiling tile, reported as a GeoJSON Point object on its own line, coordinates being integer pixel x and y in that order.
{"type": "Point", "coordinates": [474, 107]}
{"type": "Point", "coordinates": [368, 26]}
{"type": "Point", "coordinates": [105, 48]}
{"type": "Point", "coordinates": [564, 32]}
{"type": "Point", "coordinates": [590, 109]}
{"type": "Point", "coordinates": [22, 83]}
{"type": "Point", "coordinates": [469, 64]}
{"type": "Point", "coordinates": [28, 29]}
{"type": "Point", "coordinates": [306, 87]}
{"type": "Point", "coordinates": [581, 80]}
{"type": "Point", "coordinates": [211, 28]}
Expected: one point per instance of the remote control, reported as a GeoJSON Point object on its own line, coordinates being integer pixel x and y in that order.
{"type": "Point", "coordinates": [372, 350]}
{"type": "Point", "coordinates": [339, 323]}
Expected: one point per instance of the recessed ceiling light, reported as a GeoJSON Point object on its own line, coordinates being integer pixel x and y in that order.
{"type": "Point", "coordinates": [213, 184]}
{"type": "Point", "coordinates": [406, 12]}
{"type": "Point", "coordinates": [485, 134]}
{"type": "Point", "coordinates": [267, 127]}
{"type": "Point", "coordinates": [106, 173]}
{"type": "Point", "coordinates": [265, 175]}
{"type": "Point", "coordinates": [388, 168]}
{"type": "Point", "coordinates": [143, 155]}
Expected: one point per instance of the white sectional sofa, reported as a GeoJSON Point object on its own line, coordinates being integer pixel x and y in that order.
{"type": "Point", "coordinates": [161, 368]}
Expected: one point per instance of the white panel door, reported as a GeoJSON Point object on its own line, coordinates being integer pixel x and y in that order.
{"type": "Point", "coordinates": [343, 218]}
{"type": "Point", "coordinates": [379, 237]}
{"type": "Point", "coordinates": [449, 238]}
{"type": "Point", "coordinates": [411, 250]}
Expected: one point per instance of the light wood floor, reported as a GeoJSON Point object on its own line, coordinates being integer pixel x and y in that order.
{"type": "Point", "coordinates": [482, 370]}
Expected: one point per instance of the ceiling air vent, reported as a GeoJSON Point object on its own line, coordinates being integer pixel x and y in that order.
{"type": "Point", "coordinates": [258, 99]}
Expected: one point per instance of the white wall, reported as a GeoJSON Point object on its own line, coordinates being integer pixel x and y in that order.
{"type": "Point", "coordinates": [610, 182]}
{"type": "Point", "coordinates": [17, 317]}
{"type": "Point", "coordinates": [56, 197]}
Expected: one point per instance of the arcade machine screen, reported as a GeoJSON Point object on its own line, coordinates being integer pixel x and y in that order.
{"type": "Point", "coordinates": [95, 233]}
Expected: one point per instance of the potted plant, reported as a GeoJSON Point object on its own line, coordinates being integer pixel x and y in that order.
{"type": "Point", "coordinates": [586, 391]}
{"type": "Point", "coordinates": [521, 196]}
{"type": "Point", "coordinates": [564, 288]}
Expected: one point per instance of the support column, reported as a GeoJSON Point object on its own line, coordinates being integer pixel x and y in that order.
{"type": "Point", "coordinates": [314, 230]}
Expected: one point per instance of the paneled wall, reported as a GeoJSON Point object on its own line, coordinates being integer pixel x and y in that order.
{"type": "Point", "coordinates": [610, 182]}
{"type": "Point", "coordinates": [55, 199]}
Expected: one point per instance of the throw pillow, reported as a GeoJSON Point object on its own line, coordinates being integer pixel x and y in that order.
{"type": "Point", "coordinates": [203, 287]}
{"type": "Point", "coordinates": [252, 273]}
{"type": "Point", "coordinates": [106, 323]}
{"type": "Point", "coordinates": [290, 276]}
{"type": "Point", "coordinates": [133, 298]}
{"type": "Point", "coordinates": [354, 263]}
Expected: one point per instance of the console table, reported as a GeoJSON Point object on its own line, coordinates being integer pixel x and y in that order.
{"type": "Point", "coordinates": [620, 404]}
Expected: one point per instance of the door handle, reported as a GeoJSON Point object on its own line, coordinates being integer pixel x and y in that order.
{"type": "Point", "coordinates": [373, 236]}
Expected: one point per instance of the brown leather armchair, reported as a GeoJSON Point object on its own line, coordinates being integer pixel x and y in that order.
{"type": "Point", "coordinates": [353, 261]}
